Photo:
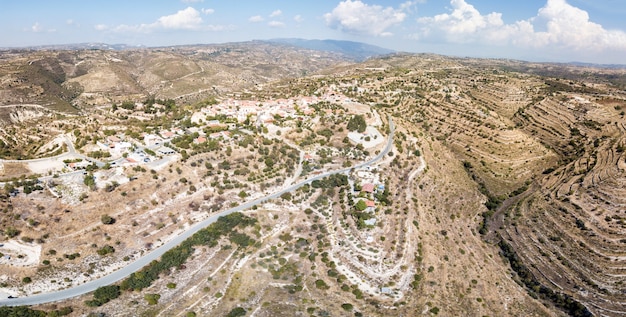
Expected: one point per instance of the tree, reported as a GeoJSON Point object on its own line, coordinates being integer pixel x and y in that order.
{"type": "Point", "coordinates": [90, 181]}
{"type": "Point", "coordinates": [357, 123]}
{"type": "Point", "coordinates": [360, 205]}
{"type": "Point", "coordinates": [152, 299]}
{"type": "Point", "coordinates": [11, 232]}
{"type": "Point", "coordinates": [107, 220]}
{"type": "Point", "coordinates": [107, 249]}
{"type": "Point", "coordinates": [237, 312]}
{"type": "Point", "coordinates": [107, 293]}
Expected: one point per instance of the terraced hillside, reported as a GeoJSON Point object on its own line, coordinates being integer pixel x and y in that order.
{"type": "Point", "coordinates": [571, 231]}
{"type": "Point", "coordinates": [547, 153]}
{"type": "Point", "coordinates": [72, 80]}
{"type": "Point", "coordinates": [564, 137]}
{"type": "Point", "coordinates": [503, 193]}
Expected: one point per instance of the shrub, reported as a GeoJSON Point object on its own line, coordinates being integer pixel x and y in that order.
{"type": "Point", "coordinates": [107, 249]}
{"type": "Point", "coordinates": [237, 312]}
{"type": "Point", "coordinates": [152, 299]}
{"type": "Point", "coordinates": [107, 220]}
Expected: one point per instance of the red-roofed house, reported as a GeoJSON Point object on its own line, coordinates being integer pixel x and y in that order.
{"type": "Point", "coordinates": [368, 188]}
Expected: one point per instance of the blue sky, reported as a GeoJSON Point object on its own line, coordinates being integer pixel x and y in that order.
{"type": "Point", "coordinates": [538, 30]}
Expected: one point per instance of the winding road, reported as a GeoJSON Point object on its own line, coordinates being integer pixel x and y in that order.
{"type": "Point", "coordinates": [158, 252]}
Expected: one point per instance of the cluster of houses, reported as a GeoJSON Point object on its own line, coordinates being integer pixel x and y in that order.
{"type": "Point", "coordinates": [370, 186]}
{"type": "Point", "coordinates": [264, 112]}
{"type": "Point", "coordinates": [234, 111]}
{"type": "Point", "coordinates": [259, 112]}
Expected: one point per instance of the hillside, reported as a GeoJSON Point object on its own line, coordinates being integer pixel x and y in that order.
{"type": "Point", "coordinates": [502, 193]}
{"type": "Point", "coordinates": [68, 80]}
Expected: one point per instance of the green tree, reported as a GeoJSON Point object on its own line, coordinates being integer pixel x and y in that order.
{"type": "Point", "coordinates": [90, 181]}
{"type": "Point", "coordinates": [107, 249]}
{"type": "Point", "coordinates": [11, 232]}
{"type": "Point", "coordinates": [107, 220]}
{"type": "Point", "coordinates": [360, 205]}
{"type": "Point", "coordinates": [237, 312]}
{"type": "Point", "coordinates": [152, 299]}
{"type": "Point", "coordinates": [357, 123]}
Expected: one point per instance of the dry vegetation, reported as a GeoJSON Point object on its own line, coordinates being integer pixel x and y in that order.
{"type": "Point", "coordinates": [503, 194]}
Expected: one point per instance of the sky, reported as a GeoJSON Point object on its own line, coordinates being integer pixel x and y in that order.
{"type": "Point", "coordinates": [591, 31]}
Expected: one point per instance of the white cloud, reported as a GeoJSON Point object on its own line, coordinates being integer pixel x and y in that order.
{"type": "Point", "coordinates": [276, 24]}
{"type": "Point", "coordinates": [207, 11]}
{"type": "Point", "coordinates": [256, 18]}
{"type": "Point", "coordinates": [298, 18]}
{"type": "Point", "coordinates": [570, 26]}
{"type": "Point", "coordinates": [563, 26]}
{"type": "Point", "coordinates": [276, 13]}
{"type": "Point", "coordinates": [36, 27]}
{"type": "Point", "coordinates": [360, 18]}
{"type": "Point", "coordinates": [187, 19]}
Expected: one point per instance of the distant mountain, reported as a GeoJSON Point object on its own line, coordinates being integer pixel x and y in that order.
{"type": "Point", "coordinates": [354, 50]}
{"type": "Point", "coordinates": [75, 46]}
{"type": "Point", "coordinates": [610, 66]}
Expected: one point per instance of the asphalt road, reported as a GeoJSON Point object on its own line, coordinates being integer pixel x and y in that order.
{"type": "Point", "coordinates": [157, 252]}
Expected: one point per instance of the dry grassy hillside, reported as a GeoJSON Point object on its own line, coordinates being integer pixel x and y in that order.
{"type": "Point", "coordinates": [71, 80]}
{"type": "Point", "coordinates": [502, 194]}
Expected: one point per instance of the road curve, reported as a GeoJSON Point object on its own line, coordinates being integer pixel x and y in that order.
{"type": "Point", "coordinates": [156, 253]}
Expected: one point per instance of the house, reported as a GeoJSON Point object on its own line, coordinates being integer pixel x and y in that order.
{"type": "Point", "coordinates": [370, 222]}
{"type": "Point", "coordinates": [199, 140]}
{"type": "Point", "coordinates": [167, 134]}
{"type": "Point", "coordinates": [222, 134]}
{"type": "Point", "coordinates": [129, 160]}
{"type": "Point", "coordinates": [79, 165]}
{"type": "Point", "coordinates": [122, 146]}
{"type": "Point", "coordinates": [367, 188]}
{"type": "Point", "coordinates": [371, 205]}
{"type": "Point", "coordinates": [385, 290]}
{"type": "Point", "coordinates": [151, 139]}
{"type": "Point", "coordinates": [198, 117]}
{"type": "Point", "coordinates": [164, 150]}
{"type": "Point", "coordinates": [213, 123]}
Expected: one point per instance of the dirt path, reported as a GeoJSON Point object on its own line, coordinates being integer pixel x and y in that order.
{"type": "Point", "coordinates": [17, 253]}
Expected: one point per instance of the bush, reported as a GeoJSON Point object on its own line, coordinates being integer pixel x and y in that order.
{"type": "Point", "coordinates": [107, 249]}
{"type": "Point", "coordinates": [357, 123]}
{"type": "Point", "coordinates": [321, 284]}
{"type": "Point", "coordinates": [107, 220]}
{"type": "Point", "coordinates": [177, 256]}
{"type": "Point", "coordinates": [152, 299]}
{"type": "Point", "coordinates": [12, 232]}
{"type": "Point", "coordinates": [237, 312]}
